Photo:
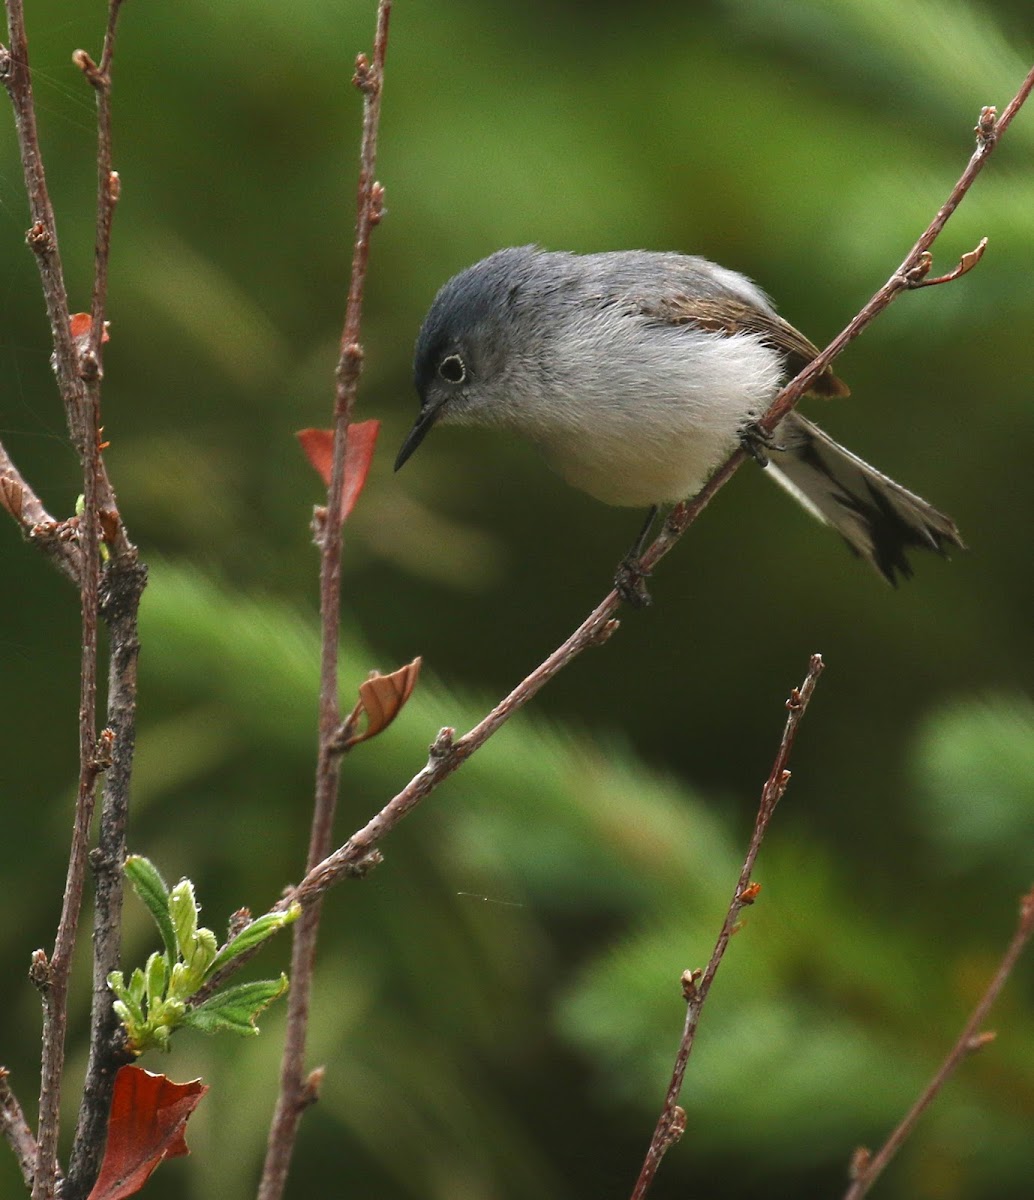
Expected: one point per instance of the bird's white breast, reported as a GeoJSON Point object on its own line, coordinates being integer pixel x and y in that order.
{"type": "Point", "coordinates": [640, 420]}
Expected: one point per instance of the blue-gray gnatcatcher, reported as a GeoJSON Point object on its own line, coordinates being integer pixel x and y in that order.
{"type": "Point", "coordinates": [637, 373]}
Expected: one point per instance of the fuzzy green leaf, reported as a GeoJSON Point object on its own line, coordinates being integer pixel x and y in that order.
{"type": "Point", "coordinates": [254, 934]}
{"type": "Point", "coordinates": [183, 910]}
{"type": "Point", "coordinates": [156, 973]}
{"type": "Point", "coordinates": [151, 889]}
{"type": "Point", "coordinates": [236, 1008]}
{"type": "Point", "coordinates": [137, 987]}
{"type": "Point", "coordinates": [130, 1013]}
{"type": "Point", "coordinates": [201, 957]}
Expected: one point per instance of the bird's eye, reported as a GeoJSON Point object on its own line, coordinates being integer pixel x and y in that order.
{"type": "Point", "coordinates": [452, 369]}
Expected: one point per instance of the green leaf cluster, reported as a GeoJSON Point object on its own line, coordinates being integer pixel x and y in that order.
{"type": "Point", "coordinates": [156, 999]}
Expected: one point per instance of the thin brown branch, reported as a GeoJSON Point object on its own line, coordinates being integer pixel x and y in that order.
{"type": "Point", "coordinates": [78, 368]}
{"type": "Point", "coordinates": [966, 264]}
{"type": "Point", "coordinates": [15, 1129]}
{"type": "Point", "coordinates": [55, 990]}
{"type": "Point", "coordinates": [296, 1093]}
{"type": "Point", "coordinates": [697, 985]}
{"type": "Point", "coordinates": [42, 234]}
{"type": "Point", "coordinates": [989, 131]}
{"type": "Point", "coordinates": [99, 77]}
{"type": "Point", "coordinates": [55, 993]}
{"type": "Point", "coordinates": [868, 1168]}
{"type": "Point", "coordinates": [122, 585]}
{"type": "Point", "coordinates": [54, 538]}
{"type": "Point", "coordinates": [448, 753]}
{"type": "Point", "coordinates": [72, 368]}
{"type": "Point", "coordinates": [85, 430]}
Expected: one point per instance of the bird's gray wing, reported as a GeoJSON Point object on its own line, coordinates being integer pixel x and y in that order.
{"type": "Point", "coordinates": [729, 315]}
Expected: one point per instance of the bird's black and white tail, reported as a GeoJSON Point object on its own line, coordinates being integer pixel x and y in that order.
{"type": "Point", "coordinates": [877, 517]}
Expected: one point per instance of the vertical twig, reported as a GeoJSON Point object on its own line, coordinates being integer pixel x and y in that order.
{"type": "Point", "coordinates": [42, 233]}
{"type": "Point", "coordinates": [123, 585]}
{"type": "Point", "coordinates": [54, 984]}
{"type": "Point", "coordinates": [78, 370]}
{"type": "Point", "coordinates": [296, 1090]}
{"type": "Point", "coordinates": [868, 1168]}
{"type": "Point", "coordinates": [121, 588]}
{"type": "Point", "coordinates": [697, 985]}
{"type": "Point", "coordinates": [72, 368]}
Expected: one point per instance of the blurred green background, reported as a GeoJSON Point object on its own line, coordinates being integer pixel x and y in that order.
{"type": "Point", "coordinates": [498, 1005]}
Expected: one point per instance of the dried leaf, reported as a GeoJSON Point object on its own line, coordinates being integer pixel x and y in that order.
{"type": "Point", "coordinates": [81, 324]}
{"type": "Point", "coordinates": [149, 1114]}
{"type": "Point", "coordinates": [318, 445]}
{"type": "Point", "coordinates": [382, 698]}
{"type": "Point", "coordinates": [109, 519]}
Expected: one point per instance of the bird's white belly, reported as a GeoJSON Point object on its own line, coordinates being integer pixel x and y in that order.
{"type": "Point", "coordinates": [639, 471]}
{"type": "Point", "coordinates": [656, 435]}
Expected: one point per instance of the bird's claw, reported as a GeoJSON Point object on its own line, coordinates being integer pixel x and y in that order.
{"type": "Point", "coordinates": [630, 583]}
{"type": "Point", "coordinates": [757, 441]}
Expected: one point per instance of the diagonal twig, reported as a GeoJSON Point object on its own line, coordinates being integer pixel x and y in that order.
{"type": "Point", "coordinates": [15, 1129]}
{"type": "Point", "coordinates": [867, 1168]}
{"type": "Point", "coordinates": [448, 752]}
{"type": "Point", "coordinates": [54, 538]}
{"type": "Point", "coordinates": [447, 755]}
{"type": "Point", "coordinates": [909, 275]}
{"type": "Point", "coordinates": [695, 984]}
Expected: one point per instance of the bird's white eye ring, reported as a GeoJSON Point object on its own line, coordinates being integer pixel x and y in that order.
{"type": "Point", "coordinates": [452, 369]}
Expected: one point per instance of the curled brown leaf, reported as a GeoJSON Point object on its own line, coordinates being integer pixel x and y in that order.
{"type": "Point", "coordinates": [381, 699]}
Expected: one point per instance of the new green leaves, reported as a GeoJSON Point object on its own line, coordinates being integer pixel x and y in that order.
{"type": "Point", "coordinates": [156, 999]}
{"type": "Point", "coordinates": [235, 1008]}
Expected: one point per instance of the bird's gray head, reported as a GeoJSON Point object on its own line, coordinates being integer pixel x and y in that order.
{"type": "Point", "coordinates": [465, 357]}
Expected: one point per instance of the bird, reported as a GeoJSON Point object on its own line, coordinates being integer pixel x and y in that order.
{"type": "Point", "coordinates": [636, 373]}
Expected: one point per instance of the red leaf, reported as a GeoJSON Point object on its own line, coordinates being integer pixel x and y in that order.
{"type": "Point", "coordinates": [148, 1116]}
{"type": "Point", "coordinates": [318, 445]}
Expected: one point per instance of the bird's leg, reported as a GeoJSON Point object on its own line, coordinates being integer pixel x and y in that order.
{"type": "Point", "coordinates": [629, 579]}
{"type": "Point", "coordinates": [757, 441]}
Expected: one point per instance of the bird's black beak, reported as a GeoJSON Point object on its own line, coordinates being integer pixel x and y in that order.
{"type": "Point", "coordinates": [428, 415]}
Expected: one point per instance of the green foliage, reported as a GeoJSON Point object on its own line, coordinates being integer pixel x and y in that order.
{"type": "Point", "coordinates": [975, 762]}
{"type": "Point", "coordinates": [156, 1000]}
